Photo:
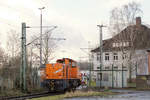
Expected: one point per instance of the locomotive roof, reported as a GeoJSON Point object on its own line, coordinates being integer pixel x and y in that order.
{"type": "Point", "coordinates": [63, 59]}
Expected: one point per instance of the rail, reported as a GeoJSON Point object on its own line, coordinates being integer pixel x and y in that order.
{"type": "Point", "coordinates": [30, 96]}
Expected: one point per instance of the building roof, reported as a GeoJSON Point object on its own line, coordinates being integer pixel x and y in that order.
{"type": "Point", "coordinates": [138, 37]}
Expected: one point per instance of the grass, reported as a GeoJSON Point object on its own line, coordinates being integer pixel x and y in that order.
{"type": "Point", "coordinates": [131, 84]}
{"type": "Point", "coordinates": [93, 83]}
{"type": "Point", "coordinates": [58, 97]}
{"type": "Point", "coordinates": [15, 92]}
{"type": "Point", "coordinates": [76, 94]}
{"type": "Point", "coordinates": [7, 93]}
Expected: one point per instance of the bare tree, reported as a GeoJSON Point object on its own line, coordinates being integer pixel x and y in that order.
{"type": "Point", "coordinates": [11, 65]}
{"type": "Point", "coordinates": [123, 29]}
{"type": "Point", "coordinates": [123, 17]}
{"type": "Point", "coordinates": [48, 47]}
{"type": "Point", "coordinates": [13, 43]}
{"type": "Point", "coordinates": [34, 58]}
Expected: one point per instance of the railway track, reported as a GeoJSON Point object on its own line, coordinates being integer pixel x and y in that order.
{"type": "Point", "coordinates": [30, 96]}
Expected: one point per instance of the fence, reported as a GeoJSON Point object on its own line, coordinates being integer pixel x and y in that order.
{"type": "Point", "coordinates": [114, 76]}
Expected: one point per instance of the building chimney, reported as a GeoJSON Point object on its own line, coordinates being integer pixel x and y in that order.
{"type": "Point", "coordinates": [138, 21]}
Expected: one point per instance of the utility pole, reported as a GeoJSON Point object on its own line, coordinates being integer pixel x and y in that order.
{"type": "Point", "coordinates": [101, 50]}
{"type": "Point", "coordinates": [41, 35]}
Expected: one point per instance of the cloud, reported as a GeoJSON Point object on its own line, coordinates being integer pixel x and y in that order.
{"type": "Point", "coordinates": [118, 3]}
{"type": "Point", "coordinates": [76, 19]}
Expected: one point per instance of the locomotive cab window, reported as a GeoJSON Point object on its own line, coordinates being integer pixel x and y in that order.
{"type": "Point", "coordinates": [73, 64]}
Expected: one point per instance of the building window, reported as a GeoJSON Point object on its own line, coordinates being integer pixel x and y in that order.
{"type": "Point", "coordinates": [92, 56]}
{"type": "Point", "coordinates": [99, 76]}
{"type": "Point", "coordinates": [107, 56]}
{"type": "Point", "coordinates": [115, 68]}
{"type": "Point", "coordinates": [127, 43]}
{"type": "Point", "coordinates": [105, 77]}
{"type": "Point", "coordinates": [120, 44]}
{"type": "Point", "coordinates": [117, 44]}
{"type": "Point", "coordinates": [114, 45]}
{"type": "Point", "coordinates": [124, 44]}
{"type": "Point", "coordinates": [124, 68]}
{"type": "Point", "coordinates": [106, 67]}
{"type": "Point", "coordinates": [98, 57]}
{"type": "Point", "coordinates": [115, 56]}
{"type": "Point", "coordinates": [124, 56]}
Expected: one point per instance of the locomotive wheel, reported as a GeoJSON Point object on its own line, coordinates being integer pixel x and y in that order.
{"type": "Point", "coordinates": [52, 86]}
{"type": "Point", "coordinates": [72, 90]}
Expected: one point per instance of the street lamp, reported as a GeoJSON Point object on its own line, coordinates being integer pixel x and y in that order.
{"type": "Point", "coordinates": [41, 35]}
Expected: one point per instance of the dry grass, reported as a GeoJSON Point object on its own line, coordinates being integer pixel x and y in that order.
{"type": "Point", "coordinates": [7, 93]}
{"type": "Point", "coordinates": [58, 97]}
{"type": "Point", "coordinates": [76, 94]}
{"type": "Point", "coordinates": [15, 92]}
{"type": "Point", "coordinates": [85, 94]}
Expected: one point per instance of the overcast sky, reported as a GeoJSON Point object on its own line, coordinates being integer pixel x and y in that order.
{"type": "Point", "coordinates": [76, 20]}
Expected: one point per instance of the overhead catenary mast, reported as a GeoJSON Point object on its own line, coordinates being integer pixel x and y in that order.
{"type": "Point", "coordinates": [41, 35]}
{"type": "Point", "coordinates": [101, 51]}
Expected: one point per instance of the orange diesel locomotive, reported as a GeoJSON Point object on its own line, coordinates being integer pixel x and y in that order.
{"type": "Point", "coordinates": [63, 75]}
